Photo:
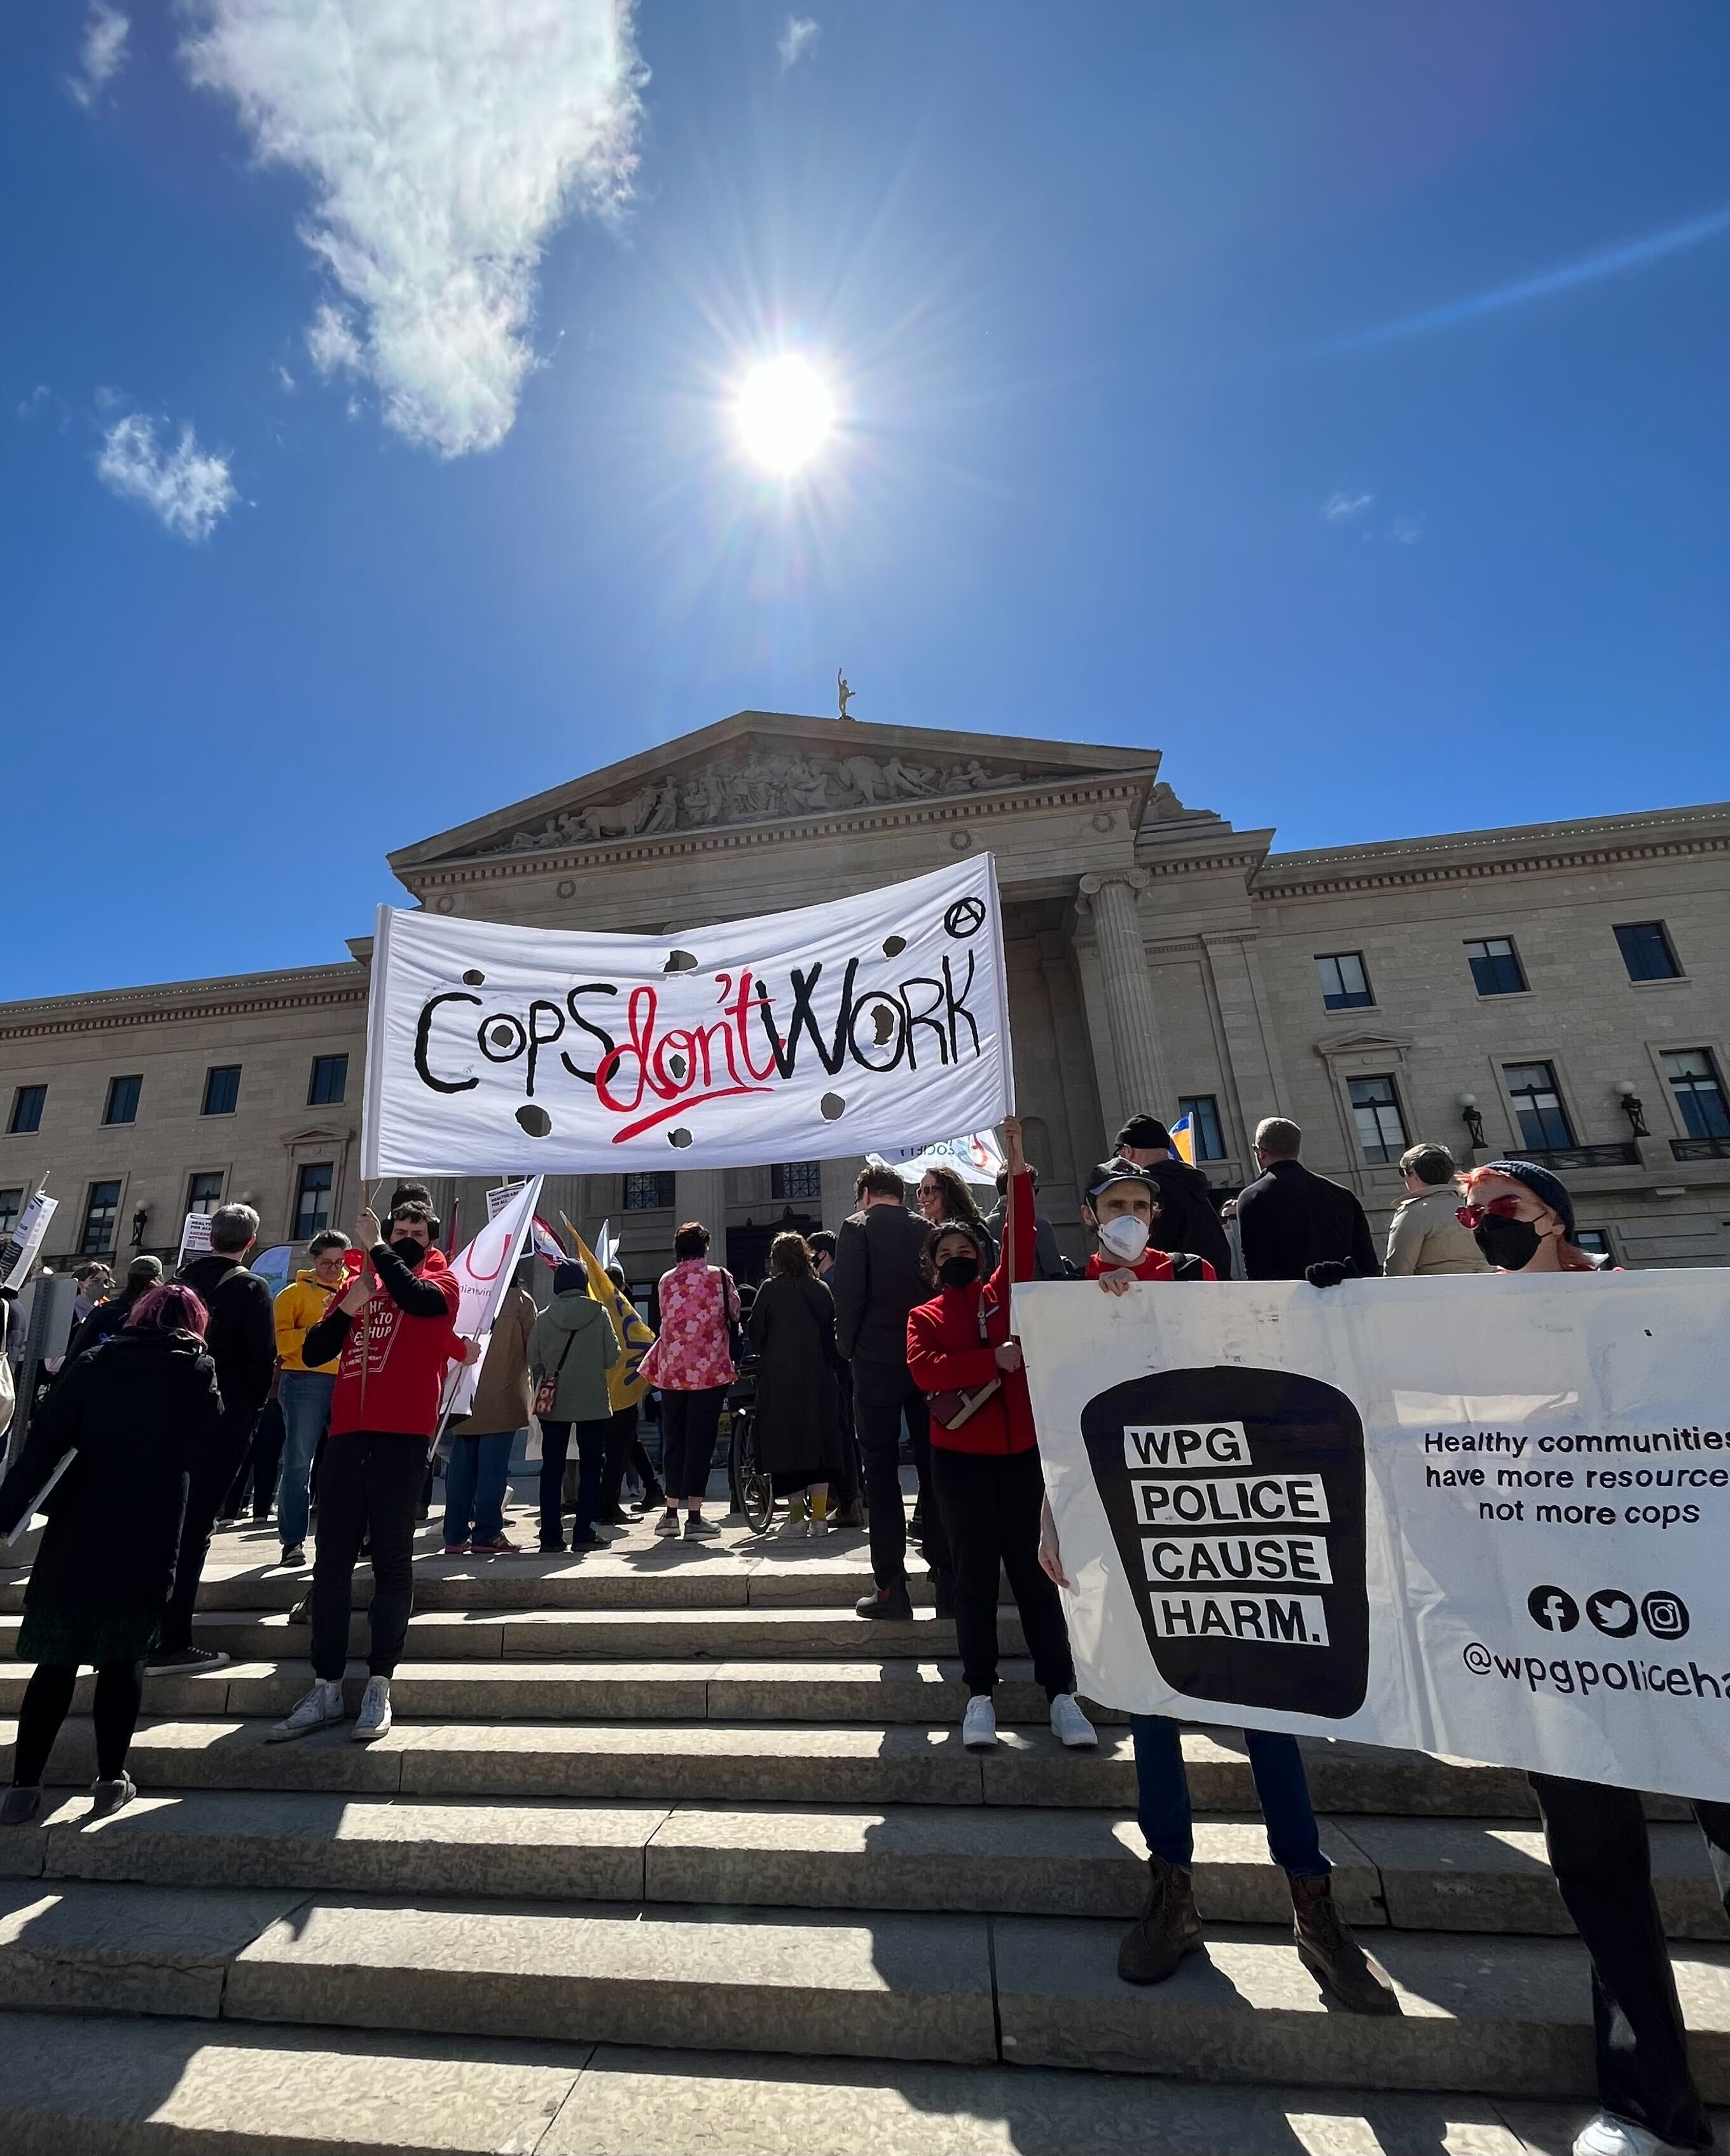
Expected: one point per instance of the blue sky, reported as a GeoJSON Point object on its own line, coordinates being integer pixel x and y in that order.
{"type": "Point", "coordinates": [1205, 379]}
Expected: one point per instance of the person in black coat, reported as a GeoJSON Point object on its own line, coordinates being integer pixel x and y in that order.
{"type": "Point", "coordinates": [1187, 1219]}
{"type": "Point", "coordinates": [132, 1414]}
{"type": "Point", "coordinates": [793, 1329]}
{"type": "Point", "coordinates": [1290, 1220]}
{"type": "Point", "coordinates": [110, 1317]}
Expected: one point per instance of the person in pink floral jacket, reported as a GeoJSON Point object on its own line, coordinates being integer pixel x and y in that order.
{"type": "Point", "coordinates": [691, 1365]}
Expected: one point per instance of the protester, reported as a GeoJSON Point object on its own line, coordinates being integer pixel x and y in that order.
{"type": "Point", "coordinates": [1187, 1219]}
{"type": "Point", "coordinates": [390, 1377]}
{"type": "Point", "coordinates": [304, 1394]}
{"type": "Point", "coordinates": [876, 1281]}
{"type": "Point", "coordinates": [626, 1386]}
{"type": "Point", "coordinates": [1290, 1220]}
{"type": "Point", "coordinates": [241, 1336]}
{"type": "Point", "coordinates": [1121, 1207]}
{"type": "Point", "coordinates": [792, 1328]}
{"type": "Point", "coordinates": [572, 1350]}
{"type": "Point", "coordinates": [255, 1484]}
{"type": "Point", "coordinates": [478, 1468]}
{"type": "Point", "coordinates": [944, 1193]}
{"type": "Point", "coordinates": [105, 1318]}
{"type": "Point", "coordinates": [845, 1509]}
{"type": "Point", "coordinates": [1523, 1220]}
{"type": "Point", "coordinates": [691, 1366]}
{"type": "Point", "coordinates": [134, 1413]}
{"type": "Point", "coordinates": [96, 1282]}
{"type": "Point", "coordinates": [1047, 1259]}
{"type": "Point", "coordinates": [1424, 1236]}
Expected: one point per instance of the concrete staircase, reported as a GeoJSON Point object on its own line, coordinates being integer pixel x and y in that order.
{"type": "Point", "coordinates": [668, 1851]}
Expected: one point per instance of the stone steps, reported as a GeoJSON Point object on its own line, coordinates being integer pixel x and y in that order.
{"type": "Point", "coordinates": [75, 2086]}
{"type": "Point", "coordinates": [1490, 2015]}
{"type": "Point", "coordinates": [1474, 1875]}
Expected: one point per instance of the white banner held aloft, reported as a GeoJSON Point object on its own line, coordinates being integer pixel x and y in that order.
{"type": "Point", "coordinates": [829, 1031]}
{"type": "Point", "coordinates": [483, 1270]}
{"type": "Point", "coordinates": [21, 1246]}
{"type": "Point", "coordinates": [1483, 1516]}
{"type": "Point", "coordinates": [977, 1159]}
{"type": "Point", "coordinates": [194, 1236]}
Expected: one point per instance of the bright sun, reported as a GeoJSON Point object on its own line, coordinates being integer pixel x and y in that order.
{"type": "Point", "coordinates": [785, 412]}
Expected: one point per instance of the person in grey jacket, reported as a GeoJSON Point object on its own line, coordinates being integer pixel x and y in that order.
{"type": "Point", "coordinates": [1425, 1235]}
{"type": "Point", "coordinates": [574, 1343]}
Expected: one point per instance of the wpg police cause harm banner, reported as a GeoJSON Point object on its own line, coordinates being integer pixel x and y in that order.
{"type": "Point", "coordinates": [1485, 1516]}
{"type": "Point", "coordinates": [833, 1029]}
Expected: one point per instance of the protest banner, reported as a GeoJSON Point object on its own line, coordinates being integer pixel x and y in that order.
{"type": "Point", "coordinates": [24, 1244]}
{"type": "Point", "coordinates": [976, 1158]}
{"type": "Point", "coordinates": [194, 1237]}
{"type": "Point", "coordinates": [1483, 1516]}
{"type": "Point", "coordinates": [826, 1031]}
{"type": "Point", "coordinates": [483, 1270]}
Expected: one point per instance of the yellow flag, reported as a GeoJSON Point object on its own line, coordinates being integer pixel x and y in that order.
{"type": "Point", "coordinates": [625, 1384]}
{"type": "Point", "coordinates": [1183, 1139]}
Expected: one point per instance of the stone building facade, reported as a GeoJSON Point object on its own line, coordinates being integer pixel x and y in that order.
{"type": "Point", "coordinates": [1561, 989]}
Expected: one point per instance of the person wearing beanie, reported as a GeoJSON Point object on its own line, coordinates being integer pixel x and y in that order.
{"type": "Point", "coordinates": [142, 1275]}
{"type": "Point", "coordinates": [1187, 1218]}
{"type": "Point", "coordinates": [573, 1349]}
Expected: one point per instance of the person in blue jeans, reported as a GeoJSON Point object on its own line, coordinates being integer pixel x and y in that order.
{"type": "Point", "coordinates": [480, 1464]}
{"type": "Point", "coordinates": [303, 1395]}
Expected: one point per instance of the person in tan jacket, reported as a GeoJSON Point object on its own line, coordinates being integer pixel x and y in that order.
{"type": "Point", "coordinates": [1425, 1235]}
{"type": "Point", "coordinates": [481, 1441]}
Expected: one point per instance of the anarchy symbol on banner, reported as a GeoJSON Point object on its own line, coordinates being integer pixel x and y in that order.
{"type": "Point", "coordinates": [966, 917]}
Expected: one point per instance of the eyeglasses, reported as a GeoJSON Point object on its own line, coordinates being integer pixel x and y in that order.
{"type": "Point", "coordinates": [1474, 1216]}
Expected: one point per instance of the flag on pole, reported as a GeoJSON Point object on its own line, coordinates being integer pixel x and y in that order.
{"type": "Point", "coordinates": [606, 1245]}
{"type": "Point", "coordinates": [1183, 1139]}
{"type": "Point", "coordinates": [625, 1385]}
{"type": "Point", "coordinates": [483, 1270]}
{"type": "Point", "coordinates": [977, 1159]}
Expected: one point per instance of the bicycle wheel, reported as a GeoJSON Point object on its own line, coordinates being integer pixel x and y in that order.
{"type": "Point", "coordinates": [755, 1488]}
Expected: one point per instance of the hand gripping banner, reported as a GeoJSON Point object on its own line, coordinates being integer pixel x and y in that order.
{"type": "Point", "coordinates": [832, 1030]}
{"type": "Point", "coordinates": [1480, 1515]}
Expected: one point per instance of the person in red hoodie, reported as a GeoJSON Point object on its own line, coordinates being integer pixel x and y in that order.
{"type": "Point", "coordinates": [384, 1415]}
{"type": "Point", "coordinates": [984, 1457]}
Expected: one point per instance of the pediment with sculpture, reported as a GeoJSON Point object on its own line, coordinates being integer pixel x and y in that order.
{"type": "Point", "coordinates": [756, 787]}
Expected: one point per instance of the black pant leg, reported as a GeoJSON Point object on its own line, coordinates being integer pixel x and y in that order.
{"type": "Point", "coordinates": [702, 1426]}
{"type": "Point", "coordinates": [395, 1465]}
{"type": "Point", "coordinates": [267, 1445]}
{"type": "Point", "coordinates": [48, 1698]}
{"type": "Point", "coordinates": [674, 1412]}
{"type": "Point", "coordinates": [621, 1436]}
{"type": "Point", "coordinates": [964, 1490]}
{"type": "Point", "coordinates": [120, 1694]}
{"type": "Point", "coordinates": [877, 1390]}
{"type": "Point", "coordinates": [845, 1488]}
{"type": "Point", "coordinates": [652, 1491]}
{"type": "Point", "coordinates": [933, 1530]}
{"type": "Point", "coordinates": [1042, 1620]}
{"type": "Point", "coordinates": [206, 1486]}
{"type": "Point", "coordinates": [1602, 1859]}
{"type": "Point", "coordinates": [555, 1449]}
{"type": "Point", "coordinates": [341, 1530]}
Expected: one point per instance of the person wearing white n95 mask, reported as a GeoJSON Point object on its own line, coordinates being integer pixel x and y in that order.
{"type": "Point", "coordinates": [1120, 1206]}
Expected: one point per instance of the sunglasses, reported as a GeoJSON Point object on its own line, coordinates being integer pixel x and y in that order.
{"type": "Point", "coordinates": [1500, 1209]}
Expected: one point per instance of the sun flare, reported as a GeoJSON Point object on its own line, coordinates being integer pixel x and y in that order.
{"type": "Point", "coordinates": [785, 413]}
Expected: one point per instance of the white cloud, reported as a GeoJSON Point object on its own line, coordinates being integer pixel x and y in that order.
{"type": "Point", "coordinates": [101, 52]}
{"type": "Point", "coordinates": [284, 380]}
{"type": "Point", "coordinates": [445, 140]}
{"type": "Point", "coordinates": [331, 342]}
{"type": "Point", "coordinates": [1340, 508]}
{"type": "Point", "coordinates": [186, 488]}
{"type": "Point", "coordinates": [799, 37]}
{"type": "Point", "coordinates": [1406, 530]}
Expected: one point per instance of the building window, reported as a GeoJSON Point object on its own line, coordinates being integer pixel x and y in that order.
{"type": "Point", "coordinates": [122, 1100]}
{"type": "Point", "coordinates": [99, 1214]}
{"type": "Point", "coordinates": [1375, 1109]}
{"type": "Point", "coordinates": [796, 1179]}
{"type": "Point", "coordinates": [312, 1199]}
{"type": "Point", "coordinates": [1203, 1110]}
{"type": "Point", "coordinates": [222, 1089]}
{"type": "Point", "coordinates": [1699, 1090]}
{"type": "Point", "coordinates": [1544, 1123]}
{"type": "Point", "coordinates": [1495, 969]}
{"type": "Point", "coordinates": [27, 1106]}
{"type": "Point", "coordinates": [648, 1193]}
{"type": "Point", "coordinates": [204, 1193]}
{"type": "Point", "coordinates": [1646, 952]}
{"type": "Point", "coordinates": [1596, 1240]}
{"type": "Point", "coordinates": [329, 1081]}
{"type": "Point", "coordinates": [1345, 984]}
{"type": "Point", "coordinates": [12, 1203]}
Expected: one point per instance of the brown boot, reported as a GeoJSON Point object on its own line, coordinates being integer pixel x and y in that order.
{"type": "Point", "coordinates": [1167, 1929]}
{"type": "Point", "coordinates": [1328, 1951]}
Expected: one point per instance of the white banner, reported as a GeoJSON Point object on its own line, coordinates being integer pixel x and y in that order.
{"type": "Point", "coordinates": [811, 1034]}
{"type": "Point", "coordinates": [976, 1159]}
{"type": "Point", "coordinates": [21, 1246]}
{"type": "Point", "coordinates": [1481, 1516]}
{"type": "Point", "coordinates": [483, 1270]}
{"type": "Point", "coordinates": [194, 1236]}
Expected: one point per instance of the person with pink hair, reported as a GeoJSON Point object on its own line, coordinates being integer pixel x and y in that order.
{"type": "Point", "coordinates": [114, 1440]}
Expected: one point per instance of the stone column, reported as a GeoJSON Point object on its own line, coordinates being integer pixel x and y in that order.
{"type": "Point", "coordinates": [700, 1193]}
{"type": "Point", "coordinates": [1110, 897]}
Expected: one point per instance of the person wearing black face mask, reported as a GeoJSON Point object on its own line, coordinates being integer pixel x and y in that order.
{"type": "Point", "coordinates": [1523, 1218]}
{"type": "Point", "coordinates": [985, 1470]}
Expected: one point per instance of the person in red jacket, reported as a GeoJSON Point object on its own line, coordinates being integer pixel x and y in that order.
{"type": "Point", "coordinates": [984, 1457]}
{"type": "Point", "coordinates": [1121, 1206]}
{"type": "Point", "coordinates": [384, 1414]}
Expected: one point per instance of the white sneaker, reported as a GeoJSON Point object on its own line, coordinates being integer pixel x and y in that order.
{"type": "Point", "coordinates": [321, 1708]}
{"type": "Point", "coordinates": [1069, 1726]}
{"type": "Point", "coordinates": [374, 1718]}
{"type": "Point", "coordinates": [794, 1527]}
{"type": "Point", "coordinates": [978, 1725]}
{"type": "Point", "coordinates": [667, 1524]}
{"type": "Point", "coordinates": [1607, 2135]}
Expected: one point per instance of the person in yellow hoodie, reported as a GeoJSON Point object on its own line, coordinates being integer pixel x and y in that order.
{"type": "Point", "coordinates": [303, 1394]}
